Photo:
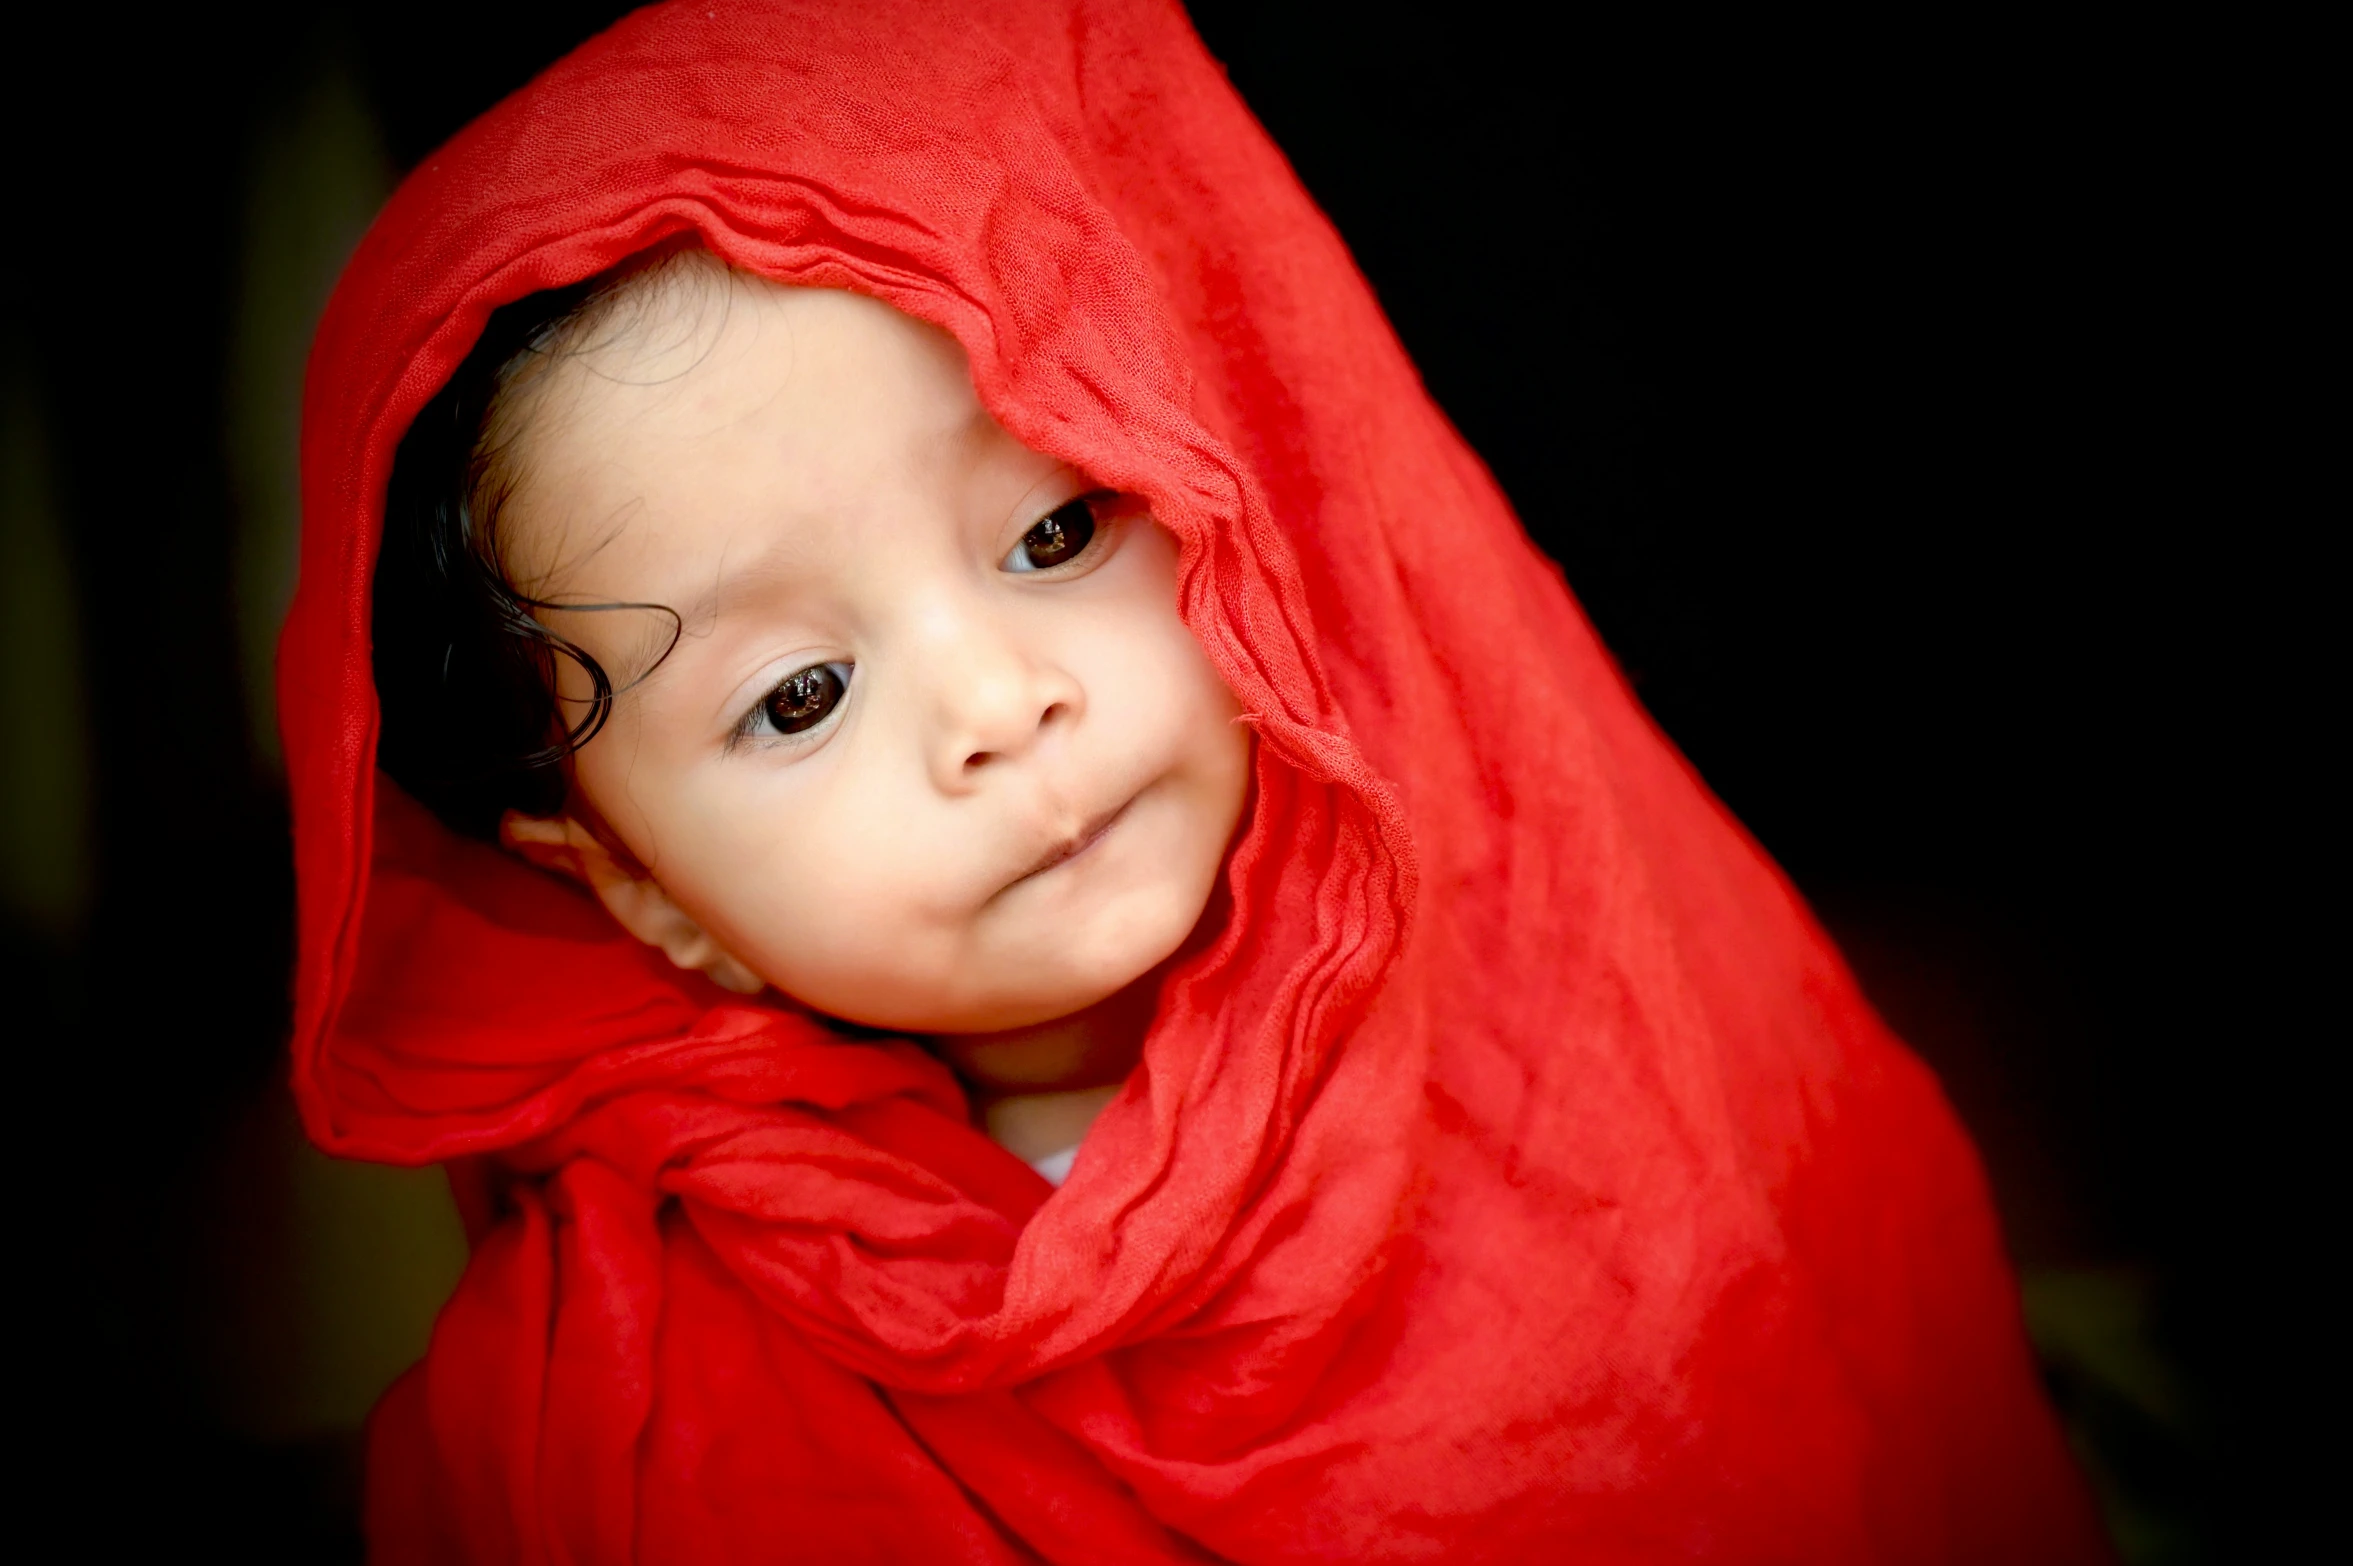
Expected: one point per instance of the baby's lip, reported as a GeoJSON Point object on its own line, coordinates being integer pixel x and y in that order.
{"type": "Point", "coordinates": [1087, 836]}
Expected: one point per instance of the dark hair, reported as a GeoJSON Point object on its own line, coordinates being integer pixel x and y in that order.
{"type": "Point", "coordinates": [465, 671]}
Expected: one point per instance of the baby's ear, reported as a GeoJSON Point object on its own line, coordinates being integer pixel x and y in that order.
{"type": "Point", "coordinates": [636, 902]}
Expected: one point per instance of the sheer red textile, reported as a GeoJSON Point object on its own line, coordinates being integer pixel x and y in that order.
{"type": "Point", "coordinates": [1519, 1176]}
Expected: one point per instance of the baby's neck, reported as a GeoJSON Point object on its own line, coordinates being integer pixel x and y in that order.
{"type": "Point", "coordinates": [1038, 1088]}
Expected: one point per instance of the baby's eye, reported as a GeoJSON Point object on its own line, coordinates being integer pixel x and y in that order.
{"type": "Point", "coordinates": [1058, 538]}
{"type": "Point", "coordinates": [801, 700]}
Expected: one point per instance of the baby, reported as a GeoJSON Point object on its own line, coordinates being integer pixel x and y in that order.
{"type": "Point", "coordinates": [901, 719]}
{"type": "Point", "coordinates": [913, 511]}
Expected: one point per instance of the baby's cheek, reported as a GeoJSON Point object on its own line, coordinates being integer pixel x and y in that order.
{"type": "Point", "coordinates": [827, 926]}
{"type": "Point", "coordinates": [1154, 674]}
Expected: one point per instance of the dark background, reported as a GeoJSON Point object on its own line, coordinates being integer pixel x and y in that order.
{"type": "Point", "coordinates": [1911, 408]}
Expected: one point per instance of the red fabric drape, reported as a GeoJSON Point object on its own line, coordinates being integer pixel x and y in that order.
{"type": "Point", "coordinates": [1519, 1176]}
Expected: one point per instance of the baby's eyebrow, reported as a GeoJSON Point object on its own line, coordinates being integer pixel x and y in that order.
{"type": "Point", "coordinates": [652, 633]}
{"type": "Point", "coordinates": [724, 589]}
{"type": "Point", "coordinates": [783, 561]}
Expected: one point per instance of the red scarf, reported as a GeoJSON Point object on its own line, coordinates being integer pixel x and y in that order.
{"type": "Point", "coordinates": [1519, 1176]}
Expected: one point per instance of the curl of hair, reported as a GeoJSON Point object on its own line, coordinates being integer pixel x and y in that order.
{"type": "Point", "coordinates": [466, 670]}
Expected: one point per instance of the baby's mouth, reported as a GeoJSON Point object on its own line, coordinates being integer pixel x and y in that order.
{"type": "Point", "coordinates": [1071, 847]}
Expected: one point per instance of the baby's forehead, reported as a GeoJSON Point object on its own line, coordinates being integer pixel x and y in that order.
{"type": "Point", "coordinates": [739, 418]}
{"type": "Point", "coordinates": [707, 337]}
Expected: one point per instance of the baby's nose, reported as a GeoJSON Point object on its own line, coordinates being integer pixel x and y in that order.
{"type": "Point", "coordinates": [995, 700]}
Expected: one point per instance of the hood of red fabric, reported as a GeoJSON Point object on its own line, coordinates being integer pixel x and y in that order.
{"type": "Point", "coordinates": [1517, 1091]}
{"type": "Point", "coordinates": [449, 1002]}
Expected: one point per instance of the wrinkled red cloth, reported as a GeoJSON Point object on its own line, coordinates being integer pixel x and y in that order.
{"type": "Point", "coordinates": [1519, 1174]}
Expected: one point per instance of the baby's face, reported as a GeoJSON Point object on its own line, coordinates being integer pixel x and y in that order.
{"type": "Point", "coordinates": [934, 751]}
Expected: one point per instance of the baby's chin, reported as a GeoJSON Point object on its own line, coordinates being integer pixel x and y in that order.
{"type": "Point", "coordinates": [992, 993]}
{"type": "Point", "coordinates": [1080, 934]}
{"type": "Point", "coordinates": [996, 1012]}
